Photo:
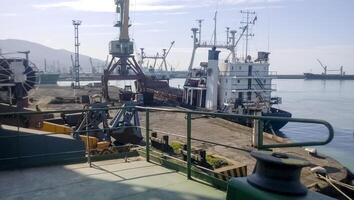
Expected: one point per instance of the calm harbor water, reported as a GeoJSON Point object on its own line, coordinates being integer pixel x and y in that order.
{"type": "Point", "coordinates": [329, 100]}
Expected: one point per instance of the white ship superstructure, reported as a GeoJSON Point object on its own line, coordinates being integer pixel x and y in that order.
{"type": "Point", "coordinates": [232, 85]}
{"type": "Point", "coordinates": [246, 85]}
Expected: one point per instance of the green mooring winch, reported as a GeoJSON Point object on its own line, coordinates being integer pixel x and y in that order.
{"type": "Point", "coordinates": [276, 176]}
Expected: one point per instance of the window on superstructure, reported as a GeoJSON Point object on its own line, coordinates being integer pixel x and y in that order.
{"type": "Point", "coordinates": [249, 96]}
{"type": "Point", "coordinates": [226, 80]}
{"type": "Point", "coordinates": [225, 93]}
{"type": "Point", "coordinates": [238, 81]}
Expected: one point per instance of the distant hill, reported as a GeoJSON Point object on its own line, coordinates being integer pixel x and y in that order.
{"type": "Point", "coordinates": [56, 59]}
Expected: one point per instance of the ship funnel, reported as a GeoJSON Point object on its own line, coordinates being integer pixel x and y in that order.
{"type": "Point", "coordinates": [212, 79]}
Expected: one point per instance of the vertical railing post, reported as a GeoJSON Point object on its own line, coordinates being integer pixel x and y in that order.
{"type": "Point", "coordinates": [88, 139]}
{"type": "Point", "coordinates": [260, 133]}
{"type": "Point", "coordinates": [147, 126]}
{"type": "Point", "coordinates": [189, 146]}
{"type": "Point", "coordinates": [18, 141]}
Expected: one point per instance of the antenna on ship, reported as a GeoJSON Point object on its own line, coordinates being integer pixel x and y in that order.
{"type": "Point", "coordinates": [227, 35]}
{"type": "Point", "coordinates": [229, 45]}
{"type": "Point", "coordinates": [247, 23]}
{"type": "Point", "coordinates": [200, 29]}
{"type": "Point", "coordinates": [215, 20]}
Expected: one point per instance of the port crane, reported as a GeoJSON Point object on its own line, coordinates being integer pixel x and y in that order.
{"type": "Point", "coordinates": [96, 68]}
{"type": "Point", "coordinates": [123, 62]}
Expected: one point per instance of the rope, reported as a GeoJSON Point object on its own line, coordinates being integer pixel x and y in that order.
{"type": "Point", "coordinates": [350, 187]}
{"type": "Point", "coordinates": [328, 180]}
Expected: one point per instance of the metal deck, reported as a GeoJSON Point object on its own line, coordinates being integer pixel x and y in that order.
{"type": "Point", "coordinates": [110, 179]}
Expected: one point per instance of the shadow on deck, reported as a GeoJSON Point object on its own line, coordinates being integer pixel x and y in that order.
{"type": "Point", "coordinates": [110, 179]}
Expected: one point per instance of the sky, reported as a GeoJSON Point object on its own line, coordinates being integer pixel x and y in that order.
{"type": "Point", "coordinates": [296, 32]}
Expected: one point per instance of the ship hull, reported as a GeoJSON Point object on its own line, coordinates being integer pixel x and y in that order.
{"type": "Point", "coordinates": [310, 76]}
{"type": "Point", "coordinates": [269, 126]}
{"type": "Point", "coordinates": [275, 125]}
{"type": "Point", "coordinates": [48, 78]}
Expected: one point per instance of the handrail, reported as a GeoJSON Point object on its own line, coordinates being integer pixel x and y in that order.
{"type": "Point", "coordinates": [253, 117]}
{"type": "Point", "coordinates": [259, 131]}
{"type": "Point", "coordinates": [259, 122]}
{"type": "Point", "coordinates": [261, 118]}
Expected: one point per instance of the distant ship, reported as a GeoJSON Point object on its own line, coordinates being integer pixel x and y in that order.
{"type": "Point", "coordinates": [326, 76]}
{"type": "Point", "coordinates": [311, 76]}
{"type": "Point", "coordinates": [46, 78]}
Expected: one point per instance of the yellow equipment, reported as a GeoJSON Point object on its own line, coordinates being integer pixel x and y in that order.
{"type": "Point", "coordinates": [95, 146]}
{"type": "Point", "coordinates": [56, 128]}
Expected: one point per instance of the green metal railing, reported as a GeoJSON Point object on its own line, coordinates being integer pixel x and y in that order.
{"type": "Point", "coordinates": [259, 131]}
{"type": "Point", "coordinates": [259, 120]}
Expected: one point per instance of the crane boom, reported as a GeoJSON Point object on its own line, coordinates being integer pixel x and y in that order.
{"type": "Point", "coordinates": [169, 49]}
{"type": "Point", "coordinates": [91, 63]}
{"type": "Point", "coordinates": [165, 54]}
{"type": "Point", "coordinates": [323, 66]}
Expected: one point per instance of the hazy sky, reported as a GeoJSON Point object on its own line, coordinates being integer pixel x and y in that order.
{"type": "Point", "coordinates": [297, 31]}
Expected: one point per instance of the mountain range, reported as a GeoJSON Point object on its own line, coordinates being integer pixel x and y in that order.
{"type": "Point", "coordinates": [57, 60]}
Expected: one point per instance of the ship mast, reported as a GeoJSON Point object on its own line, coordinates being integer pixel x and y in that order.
{"type": "Point", "coordinates": [248, 14]}
{"type": "Point", "coordinates": [197, 41]}
{"type": "Point", "coordinates": [215, 19]}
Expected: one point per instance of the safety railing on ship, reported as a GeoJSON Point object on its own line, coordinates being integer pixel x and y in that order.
{"type": "Point", "coordinates": [257, 137]}
{"type": "Point", "coordinates": [247, 74]}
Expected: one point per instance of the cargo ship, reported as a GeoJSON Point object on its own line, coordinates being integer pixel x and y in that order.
{"type": "Point", "coordinates": [340, 75]}
{"type": "Point", "coordinates": [46, 78]}
{"type": "Point", "coordinates": [311, 76]}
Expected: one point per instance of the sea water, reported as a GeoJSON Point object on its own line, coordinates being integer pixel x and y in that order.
{"type": "Point", "coordinates": [330, 100]}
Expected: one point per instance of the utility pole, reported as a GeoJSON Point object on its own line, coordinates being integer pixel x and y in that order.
{"type": "Point", "coordinates": [76, 67]}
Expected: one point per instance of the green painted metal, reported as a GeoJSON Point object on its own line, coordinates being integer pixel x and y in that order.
{"type": "Point", "coordinates": [88, 140]}
{"type": "Point", "coordinates": [175, 164]}
{"type": "Point", "coordinates": [147, 124]}
{"type": "Point", "coordinates": [240, 189]}
{"type": "Point", "coordinates": [260, 133]}
{"type": "Point", "coordinates": [262, 118]}
{"type": "Point", "coordinates": [189, 145]}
